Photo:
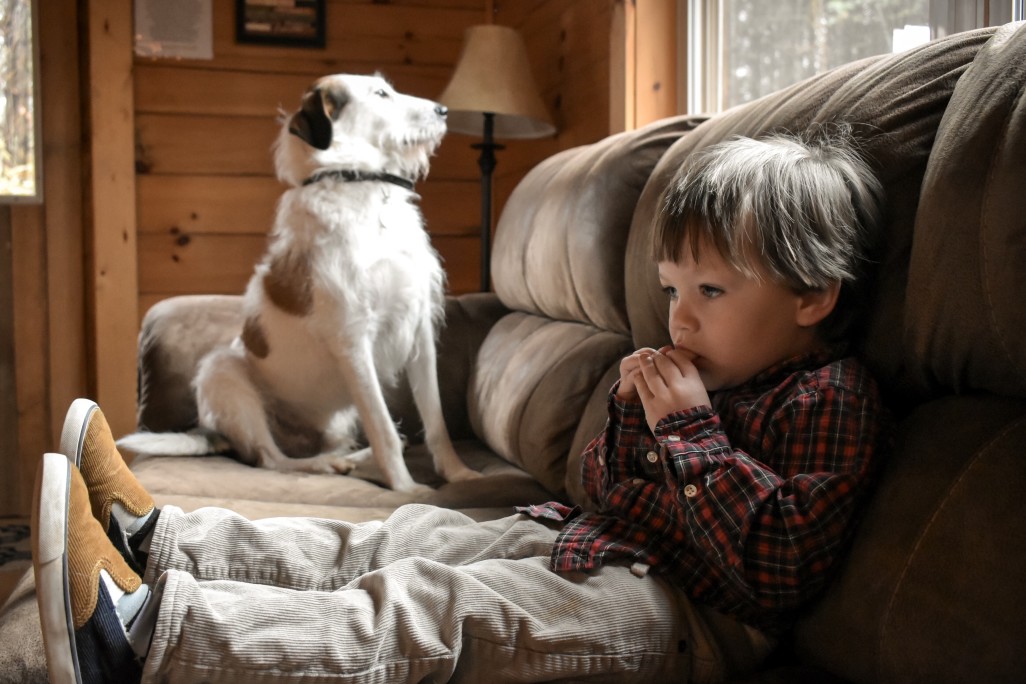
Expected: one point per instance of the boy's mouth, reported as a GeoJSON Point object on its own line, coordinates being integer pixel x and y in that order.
{"type": "Point", "coordinates": [691, 354]}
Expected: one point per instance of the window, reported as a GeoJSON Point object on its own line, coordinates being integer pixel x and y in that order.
{"type": "Point", "coordinates": [739, 50]}
{"type": "Point", "coordinates": [19, 118]}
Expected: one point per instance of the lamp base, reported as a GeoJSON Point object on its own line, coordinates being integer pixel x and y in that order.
{"type": "Point", "coordinates": [486, 162]}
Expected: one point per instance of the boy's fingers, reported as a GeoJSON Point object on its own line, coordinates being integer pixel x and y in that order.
{"type": "Point", "coordinates": [650, 372]}
{"type": "Point", "coordinates": [641, 387]}
{"type": "Point", "coordinates": [682, 360]}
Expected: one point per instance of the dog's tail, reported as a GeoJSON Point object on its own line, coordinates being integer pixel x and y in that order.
{"type": "Point", "coordinates": [198, 442]}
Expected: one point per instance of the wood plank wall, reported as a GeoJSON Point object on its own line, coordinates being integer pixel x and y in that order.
{"type": "Point", "coordinates": [568, 44]}
{"type": "Point", "coordinates": [46, 256]}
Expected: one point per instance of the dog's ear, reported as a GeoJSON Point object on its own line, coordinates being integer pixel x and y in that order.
{"type": "Point", "coordinates": [320, 107]}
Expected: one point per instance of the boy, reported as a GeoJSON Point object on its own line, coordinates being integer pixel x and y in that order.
{"type": "Point", "coordinates": [728, 481]}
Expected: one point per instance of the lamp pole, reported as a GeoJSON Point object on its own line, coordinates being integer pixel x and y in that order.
{"type": "Point", "coordinates": [487, 164]}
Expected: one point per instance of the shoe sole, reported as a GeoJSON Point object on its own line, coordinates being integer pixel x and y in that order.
{"type": "Point", "coordinates": [50, 556]}
{"type": "Point", "coordinates": [76, 424]}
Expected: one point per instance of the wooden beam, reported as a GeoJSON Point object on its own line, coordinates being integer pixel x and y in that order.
{"type": "Point", "coordinates": [110, 189]}
{"type": "Point", "coordinates": [10, 463]}
{"type": "Point", "coordinates": [31, 346]}
{"type": "Point", "coordinates": [63, 214]}
{"type": "Point", "coordinates": [655, 60]}
{"type": "Point", "coordinates": [621, 67]}
{"type": "Point", "coordinates": [643, 63]}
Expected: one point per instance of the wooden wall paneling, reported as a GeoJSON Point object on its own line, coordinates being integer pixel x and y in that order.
{"type": "Point", "coordinates": [569, 48]}
{"type": "Point", "coordinates": [186, 204]}
{"type": "Point", "coordinates": [10, 460]}
{"type": "Point", "coordinates": [31, 344]}
{"type": "Point", "coordinates": [446, 209]}
{"type": "Point", "coordinates": [515, 12]}
{"type": "Point", "coordinates": [217, 145]}
{"type": "Point", "coordinates": [367, 33]}
{"type": "Point", "coordinates": [44, 315]}
{"type": "Point", "coordinates": [160, 88]}
{"type": "Point", "coordinates": [241, 146]}
{"type": "Point", "coordinates": [197, 264]}
{"type": "Point", "coordinates": [110, 179]}
{"type": "Point", "coordinates": [461, 257]}
{"type": "Point", "coordinates": [655, 60]}
{"type": "Point", "coordinates": [63, 210]}
{"type": "Point", "coordinates": [621, 67]}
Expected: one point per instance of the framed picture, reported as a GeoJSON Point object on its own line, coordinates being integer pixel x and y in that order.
{"type": "Point", "coordinates": [280, 22]}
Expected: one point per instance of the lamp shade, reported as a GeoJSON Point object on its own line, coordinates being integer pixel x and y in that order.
{"type": "Point", "coordinates": [494, 76]}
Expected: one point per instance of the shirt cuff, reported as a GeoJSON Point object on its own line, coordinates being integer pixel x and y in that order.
{"type": "Point", "coordinates": [688, 425]}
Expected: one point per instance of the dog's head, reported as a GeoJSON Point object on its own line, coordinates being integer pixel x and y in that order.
{"type": "Point", "coordinates": [360, 123]}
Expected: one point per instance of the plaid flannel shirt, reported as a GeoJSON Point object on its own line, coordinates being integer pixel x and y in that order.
{"type": "Point", "coordinates": [745, 504]}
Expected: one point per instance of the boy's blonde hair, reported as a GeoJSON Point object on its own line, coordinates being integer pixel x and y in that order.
{"type": "Point", "coordinates": [800, 209]}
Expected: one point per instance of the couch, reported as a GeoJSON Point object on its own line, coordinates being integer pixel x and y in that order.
{"type": "Point", "coordinates": [934, 586]}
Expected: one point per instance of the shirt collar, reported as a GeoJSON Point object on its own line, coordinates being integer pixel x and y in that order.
{"type": "Point", "coordinates": [774, 374]}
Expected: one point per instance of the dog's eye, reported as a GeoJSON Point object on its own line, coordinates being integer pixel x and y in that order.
{"type": "Point", "coordinates": [381, 92]}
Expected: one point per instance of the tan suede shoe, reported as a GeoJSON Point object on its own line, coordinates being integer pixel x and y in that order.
{"type": "Point", "coordinates": [87, 442]}
{"type": "Point", "coordinates": [121, 504]}
{"type": "Point", "coordinates": [82, 633]}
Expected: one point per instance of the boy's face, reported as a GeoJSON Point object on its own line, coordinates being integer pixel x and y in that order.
{"type": "Point", "coordinates": [733, 325]}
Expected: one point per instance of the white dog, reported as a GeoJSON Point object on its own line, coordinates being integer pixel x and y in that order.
{"type": "Point", "coordinates": [347, 297]}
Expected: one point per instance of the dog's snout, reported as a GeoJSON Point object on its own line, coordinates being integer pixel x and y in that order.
{"type": "Point", "coordinates": [441, 110]}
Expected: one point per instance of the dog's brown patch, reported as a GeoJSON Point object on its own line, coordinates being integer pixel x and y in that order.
{"type": "Point", "coordinates": [254, 339]}
{"type": "Point", "coordinates": [287, 283]}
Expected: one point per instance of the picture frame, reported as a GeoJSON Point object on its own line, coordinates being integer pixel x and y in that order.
{"type": "Point", "coordinates": [296, 23]}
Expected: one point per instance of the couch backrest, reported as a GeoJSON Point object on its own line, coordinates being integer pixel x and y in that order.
{"type": "Point", "coordinates": [966, 312]}
{"type": "Point", "coordinates": [558, 263]}
{"type": "Point", "coordinates": [572, 251]}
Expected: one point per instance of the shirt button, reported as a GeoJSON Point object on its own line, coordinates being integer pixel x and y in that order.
{"type": "Point", "coordinates": [673, 438]}
{"type": "Point", "coordinates": [638, 481]}
{"type": "Point", "coordinates": [652, 457]}
{"type": "Point", "coordinates": [690, 491]}
{"type": "Point", "coordinates": [601, 460]}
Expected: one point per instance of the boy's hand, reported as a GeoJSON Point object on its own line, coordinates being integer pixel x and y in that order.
{"type": "Point", "coordinates": [668, 382]}
{"type": "Point", "coordinates": [630, 370]}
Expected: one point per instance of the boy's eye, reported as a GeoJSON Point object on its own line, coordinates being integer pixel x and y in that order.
{"type": "Point", "coordinates": [670, 291]}
{"type": "Point", "coordinates": [710, 291]}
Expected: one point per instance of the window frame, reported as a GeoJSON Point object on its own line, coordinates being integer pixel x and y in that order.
{"type": "Point", "coordinates": [700, 88]}
{"type": "Point", "coordinates": [37, 120]}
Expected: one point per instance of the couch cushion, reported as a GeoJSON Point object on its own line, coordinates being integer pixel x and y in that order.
{"type": "Point", "coordinates": [530, 387]}
{"type": "Point", "coordinates": [967, 278]}
{"type": "Point", "coordinates": [932, 591]}
{"type": "Point", "coordinates": [559, 244]}
{"type": "Point", "coordinates": [192, 481]}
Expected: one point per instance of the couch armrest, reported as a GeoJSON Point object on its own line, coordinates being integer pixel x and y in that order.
{"type": "Point", "coordinates": [176, 333]}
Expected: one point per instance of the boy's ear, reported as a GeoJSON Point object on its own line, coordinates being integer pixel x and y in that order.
{"type": "Point", "coordinates": [815, 305]}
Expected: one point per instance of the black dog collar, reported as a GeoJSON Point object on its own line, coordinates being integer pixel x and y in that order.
{"type": "Point", "coordinates": [357, 176]}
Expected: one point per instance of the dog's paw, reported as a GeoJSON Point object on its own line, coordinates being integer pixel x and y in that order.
{"type": "Point", "coordinates": [324, 464]}
{"type": "Point", "coordinates": [462, 475]}
{"type": "Point", "coordinates": [342, 467]}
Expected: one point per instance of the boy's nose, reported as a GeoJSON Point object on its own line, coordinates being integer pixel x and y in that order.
{"type": "Point", "coordinates": [681, 317]}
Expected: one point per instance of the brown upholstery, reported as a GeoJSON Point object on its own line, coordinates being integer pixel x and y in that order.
{"type": "Point", "coordinates": [933, 587]}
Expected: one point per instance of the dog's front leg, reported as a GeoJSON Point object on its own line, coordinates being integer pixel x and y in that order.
{"type": "Point", "coordinates": [422, 371]}
{"type": "Point", "coordinates": [357, 366]}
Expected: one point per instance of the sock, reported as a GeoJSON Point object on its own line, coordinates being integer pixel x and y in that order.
{"type": "Point", "coordinates": [137, 613]}
{"type": "Point", "coordinates": [133, 533]}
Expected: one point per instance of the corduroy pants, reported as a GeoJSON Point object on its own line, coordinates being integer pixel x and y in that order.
{"type": "Point", "coordinates": [427, 595]}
